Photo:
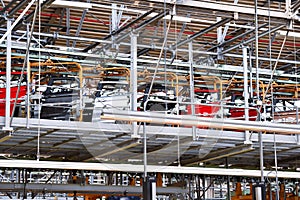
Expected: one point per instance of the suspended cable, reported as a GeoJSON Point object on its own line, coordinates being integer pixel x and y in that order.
{"type": "Point", "coordinates": [159, 58]}
{"type": "Point", "coordinates": [275, 66]}
{"type": "Point", "coordinates": [272, 103]}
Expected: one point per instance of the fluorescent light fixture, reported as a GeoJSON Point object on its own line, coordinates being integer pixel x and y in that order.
{"type": "Point", "coordinates": [71, 4]}
{"type": "Point", "coordinates": [178, 18]}
{"type": "Point", "coordinates": [291, 34]}
{"type": "Point", "coordinates": [175, 17]}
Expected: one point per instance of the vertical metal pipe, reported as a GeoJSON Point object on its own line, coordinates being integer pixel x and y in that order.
{"type": "Point", "coordinates": [8, 77]}
{"type": "Point", "coordinates": [297, 122]}
{"type": "Point", "coordinates": [204, 189]}
{"type": "Point", "coordinates": [192, 95]}
{"type": "Point", "coordinates": [257, 93]}
{"type": "Point", "coordinates": [256, 52]}
{"type": "Point", "coordinates": [145, 152]}
{"type": "Point", "coordinates": [28, 79]}
{"type": "Point", "coordinates": [145, 180]}
{"type": "Point", "coordinates": [133, 80]}
{"type": "Point", "coordinates": [68, 26]}
{"type": "Point", "coordinates": [261, 155]}
{"type": "Point", "coordinates": [287, 5]}
{"type": "Point", "coordinates": [250, 75]}
{"type": "Point", "coordinates": [228, 181]}
{"type": "Point", "coordinates": [246, 92]}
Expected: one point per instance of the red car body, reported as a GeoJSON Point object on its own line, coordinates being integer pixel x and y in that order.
{"type": "Point", "coordinates": [13, 92]}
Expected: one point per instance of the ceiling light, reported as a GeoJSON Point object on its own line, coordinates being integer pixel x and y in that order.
{"type": "Point", "coordinates": [178, 18]}
{"type": "Point", "coordinates": [71, 4]}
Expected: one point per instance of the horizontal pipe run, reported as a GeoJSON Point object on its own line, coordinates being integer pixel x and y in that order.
{"type": "Point", "coordinates": [86, 189]}
{"type": "Point", "coordinates": [185, 120]}
{"type": "Point", "coordinates": [33, 164]}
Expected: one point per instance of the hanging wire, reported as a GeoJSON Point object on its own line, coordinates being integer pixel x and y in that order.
{"type": "Point", "coordinates": [272, 103]}
{"type": "Point", "coordinates": [177, 97]}
{"type": "Point", "coordinates": [159, 58]}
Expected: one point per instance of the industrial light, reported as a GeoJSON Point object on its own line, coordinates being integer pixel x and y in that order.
{"type": "Point", "coordinates": [178, 18]}
{"type": "Point", "coordinates": [71, 4]}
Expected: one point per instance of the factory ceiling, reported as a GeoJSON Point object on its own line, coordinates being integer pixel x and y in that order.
{"type": "Point", "coordinates": [171, 36]}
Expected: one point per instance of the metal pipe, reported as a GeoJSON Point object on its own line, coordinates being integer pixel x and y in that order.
{"type": "Point", "coordinates": [28, 81]}
{"type": "Point", "coordinates": [16, 22]}
{"type": "Point", "coordinates": [8, 79]}
{"type": "Point", "coordinates": [119, 30]}
{"type": "Point", "coordinates": [13, 10]}
{"type": "Point", "coordinates": [254, 38]}
{"type": "Point", "coordinates": [246, 92]}
{"type": "Point", "coordinates": [30, 15]}
{"type": "Point", "coordinates": [187, 120]}
{"type": "Point", "coordinates": [192, 94]}
{"type": "Point", "coordinates": [89, 55]}
{"type": "Point", "coordinates": [192, 37]}
{"type": "Point", "coordinates": [133, 81]}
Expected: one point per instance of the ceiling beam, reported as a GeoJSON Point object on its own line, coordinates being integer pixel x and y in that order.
{"type": "Point", "coordinates": [31, 14]}
{"type": "Point", "coordinates": [252, 39]}
{"type": "Point", "coordinates": [13, 10]}
{"type": "Point", "coordinates": [192, 37]}
{"type": "Point", "coordinates": [9, 5]}
{"type": "Point", "coordinates": [226, 42]}
{"type": "Point", "coordinates": [92, 46]}
{"type": "Point", "coordinates": [87, 189]}
{"type": "Point", "coordinates": [33, 164]}
{"type": "Point", "coordinates": [244, 9]}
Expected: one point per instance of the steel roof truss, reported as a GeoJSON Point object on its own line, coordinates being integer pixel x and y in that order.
{"type": "Point", "coordinates": [234, 8]}
{"type": "Point", "coordinates": [192, 37]}
{"type": "Point", "coordinates": [80, 24]}
{"type": "Point", "coordinates": [253, 38]}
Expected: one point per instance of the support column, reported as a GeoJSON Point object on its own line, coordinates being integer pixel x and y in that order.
{"type": "Point", "coordinates": [288, 5]}
{"type": "Point", "coordinates": [297, 122]}
{"type": "Point", "coordinates": [8, 77]}
{"type": "Point", "coordinates": [220, 39]}
{"type": "Point", "coordinates": [28, 75]}
{"type": "Point", "coordinates": [192, 95]}
{"type": "Point", "coordinates": [133, 81]}
{"type": "Point", "coordinates": [246, 92]}
{"type": "Point", "coordinates": [228, 181]}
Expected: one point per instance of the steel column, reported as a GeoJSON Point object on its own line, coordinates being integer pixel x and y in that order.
{"type": "Point", "coordinates": [246, 92]}
{"type": "Point", "coordinates": [133, 80]}
{"type": "Point", "coordinates": [192, 95]}
{"type": "Point", "coordinates": [68, 25]}
{"type": "Point", "coordinates": [220, 39]}
{"type": "Point", "coordinates": [8, 78]}
{"type": "Point", "coordinates": [288, 6]}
